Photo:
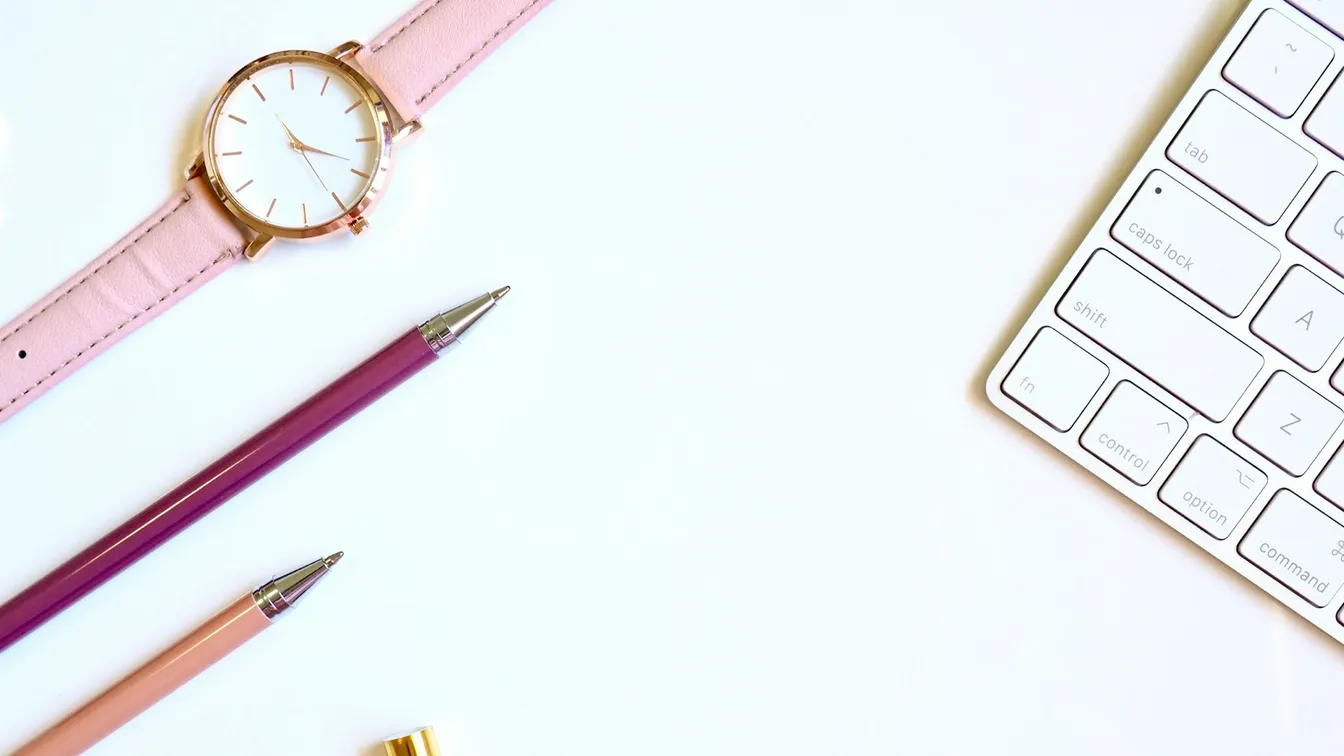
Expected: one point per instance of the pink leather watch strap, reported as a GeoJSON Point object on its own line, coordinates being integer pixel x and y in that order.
{"type": "Point", "coordinates": [428, 50]}
{"type": "Point", "coordinates": [185, 243]}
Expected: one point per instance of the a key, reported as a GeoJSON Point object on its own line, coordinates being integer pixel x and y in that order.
{"type": "Point", "coordinates": [1299, 546]}
{"type": "Point", "coordinates": [1241, 157]}
{"type": "Point", "coordinates": [1213, 487]}
{"type": "Point", "coordinates": [1329, 13]}
{"type": "Point", "coordinates": [1304, 319]}
{"type": "Point", "coordinates": [1278, 63]}
{"type": "Point", "coordinates": [1289, 424]}
{"type": "Point", "coordinates": [1055, 379]}
{"type": "Point", "coordinates": [1319, 228]}
{"type": "Point", "coordinates": [1195, 243]}
{"type": "Point", "coordinates": [1160, 336]}
{"type": "Point", "coordinates": [1134, 433]}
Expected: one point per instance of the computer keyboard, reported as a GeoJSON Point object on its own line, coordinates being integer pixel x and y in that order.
{"type": "Point", "coordinates": [1189, 354]}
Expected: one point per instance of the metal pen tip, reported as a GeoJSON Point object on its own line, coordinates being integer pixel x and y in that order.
{"type": "Point", "coordinates": [446, 328]}
{"type": "Point", "coordinates": [333, 559]}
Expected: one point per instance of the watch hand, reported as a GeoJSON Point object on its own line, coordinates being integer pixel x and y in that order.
{"type": "Point", "coordinates": [293, 140]}
{"type": "Point", "coordinates": [306, 148]}
{"type": "Point", "coordinates": [314, 170]}
{"type": "Point", "coordinates": [298, 144]}
{"type": "Point", "coordinates": [299, 148]}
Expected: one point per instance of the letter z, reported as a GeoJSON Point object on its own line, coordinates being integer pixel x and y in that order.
{"type": "Point", "coordinates": [1295, 421]}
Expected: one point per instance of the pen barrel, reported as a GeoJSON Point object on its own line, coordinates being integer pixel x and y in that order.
{"type": "Point", "coordinates": [213, 486]}
{"type": "Point", "coordinates": [149, 684]}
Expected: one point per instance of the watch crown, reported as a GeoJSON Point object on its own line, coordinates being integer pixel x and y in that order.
{"type": "Point", "coordinates": [358, 225]}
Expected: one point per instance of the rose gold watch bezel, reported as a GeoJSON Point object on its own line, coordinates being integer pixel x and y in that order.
{"type": "Point", "coordinates": [373, 189]}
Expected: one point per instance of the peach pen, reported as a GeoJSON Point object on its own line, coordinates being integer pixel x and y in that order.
{"type": "Point", "coordinates": [167, 672]}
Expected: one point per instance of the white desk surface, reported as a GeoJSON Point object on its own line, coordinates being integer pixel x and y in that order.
{"type": "Point", "coordinates": [719, 476]}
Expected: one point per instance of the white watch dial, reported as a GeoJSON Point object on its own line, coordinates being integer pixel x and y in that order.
{"type": "Point", "coordinates": [296, 144]}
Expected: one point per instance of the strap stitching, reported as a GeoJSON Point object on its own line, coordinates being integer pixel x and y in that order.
{"type": "Point", "coordinates": [404, 27]}
{"type": "Point", "coordinates": [478, 51]}
{"type": "Point", "coordinates": [227, 254]}
{"type": "Point", "coordinates": [95, 271]}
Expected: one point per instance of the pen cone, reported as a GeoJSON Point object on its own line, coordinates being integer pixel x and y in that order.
{"type": "Point", "coordinates": [446, 328]}
{"type": "Point", "coordinates": [283, 593]}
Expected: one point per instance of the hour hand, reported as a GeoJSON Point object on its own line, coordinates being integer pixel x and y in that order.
{"type": "Point", "coordinates": [306, 148]}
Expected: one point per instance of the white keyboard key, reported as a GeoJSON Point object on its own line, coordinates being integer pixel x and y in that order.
{"type": "Point", "coordinates": [1278, 63]}
{"type": "Point", "coordinates": [1195, 243]}
{"type": "Point", "coordinates": [1304, 319]}
{"type": "Point", "coordinates": [1134, 433]}
{"type": "Point", "coordinates": [1337, 380]}
{"type": "Point", "coordinates": [1319, 228]}
{"type": "Point", "coordinates": [1213, 487]}
{"type": "Point", "coordinates": [1331, 482]}
{"type": "Point", "coordinates": [1299, 546]}
{"type": "Point", "coordinates": [1289, 424]}
{"type": "Point", "coordinates": [1241, 157]}
{"type": "Point", "coordinates": [1160, 336]}
{"type": "Point", "coordinates": [1326, 123]}
{"type": "Point", "coordinates": [1055, 379]}
{"type": "Point", "coordinates": [1329, 13]}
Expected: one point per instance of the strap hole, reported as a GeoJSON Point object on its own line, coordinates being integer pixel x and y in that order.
{"type": "Point", "coordinates": [23, 355]}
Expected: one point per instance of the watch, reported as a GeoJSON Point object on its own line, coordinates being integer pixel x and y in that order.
{"type": "Point", "coordinates": [297, 145]}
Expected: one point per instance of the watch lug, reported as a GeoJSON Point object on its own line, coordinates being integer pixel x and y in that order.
{"type": "Point", "coordinates": [257, 247]}
{"type": "Point", "coordinates": [345, 49]}
{"type": "Point", "coordinates": [408, 130]}
{"type": "Point", "coordinates": [196, 168]}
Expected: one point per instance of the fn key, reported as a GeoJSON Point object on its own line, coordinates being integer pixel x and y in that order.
{"type": "Point", "coordinates": [1055, 379]}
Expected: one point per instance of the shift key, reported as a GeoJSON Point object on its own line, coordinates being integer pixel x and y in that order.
{"type": "Point", "coordinates": [1160, 336]}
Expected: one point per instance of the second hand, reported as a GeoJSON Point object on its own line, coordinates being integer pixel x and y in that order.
{"type": "Point", "coordinates": [314, 170]}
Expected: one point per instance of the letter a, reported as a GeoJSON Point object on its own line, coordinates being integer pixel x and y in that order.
{"type": "Point", "coordinates": [1307, 319]}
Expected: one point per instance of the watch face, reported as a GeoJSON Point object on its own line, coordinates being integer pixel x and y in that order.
{"type": "Point", "coordinates": [297, 144]}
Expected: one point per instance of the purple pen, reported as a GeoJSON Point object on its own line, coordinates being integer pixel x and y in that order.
{"type": "Point", "coordinates": [238, 469]}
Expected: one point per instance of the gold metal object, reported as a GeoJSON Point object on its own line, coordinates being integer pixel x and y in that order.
{"type": "Point", "coordinates": [257, 246]}
{"type": "Point", "coordinates": [196, 168]}
{"type": "Point", "coordinates": [369, 98]}
{"type": "Point", "coordinates": [419, 743]}
{"type": "Point", "coordinates": [294, 142]}
{"type": "Point", "coordinates": [345, 50]}
{"type": "Point", "coordinates": [308, 148]}
{"type": "Point", "coordinates": [298, 145]}
{"type": "Point", "coordinates": [407, 131]}
{"type": "Point", "coordinates": [358, 226]}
